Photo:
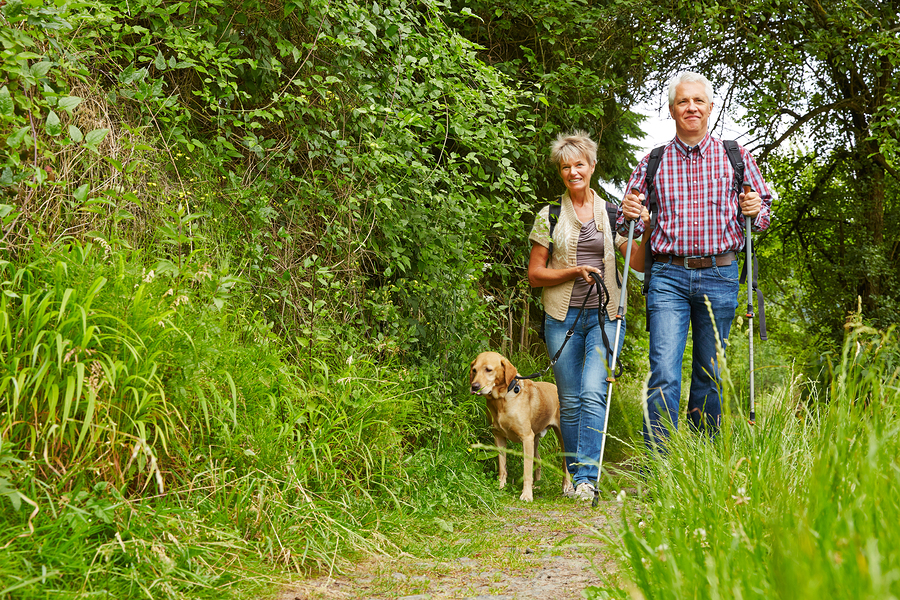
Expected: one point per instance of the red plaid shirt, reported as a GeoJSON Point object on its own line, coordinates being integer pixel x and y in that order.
{"type": "Point", "coordinates": [699, 212]}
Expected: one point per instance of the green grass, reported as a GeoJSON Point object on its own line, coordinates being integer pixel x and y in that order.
{"type": "Point", "coordinates": [160, 444]}
{"type": "Point", "coordinates": [207, 461]}
{"type": "Point", "coordinates": [805, 504]}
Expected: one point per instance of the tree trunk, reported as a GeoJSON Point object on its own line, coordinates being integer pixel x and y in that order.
{"type": "Point", "coordinates": [873, 205]}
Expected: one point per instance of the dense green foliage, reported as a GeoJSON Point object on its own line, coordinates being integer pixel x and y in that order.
{"type": "Point", "coordinates": [248, 250]}
{"type": "Point", "coordinates": [573, 57]}
{"type": "Point", "coordinates": [243, 270]}
{"type": "Point", "coordinates": [154, 442]}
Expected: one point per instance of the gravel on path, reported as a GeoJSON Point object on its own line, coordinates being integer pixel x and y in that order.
{"type": "Point", "coordinates": [523, 552]}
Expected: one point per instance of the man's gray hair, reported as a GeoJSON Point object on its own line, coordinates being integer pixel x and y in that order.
{"type": "Point", "coordinates": [577, 144]}
{"type": "Point", "coordinates": [689, 77]}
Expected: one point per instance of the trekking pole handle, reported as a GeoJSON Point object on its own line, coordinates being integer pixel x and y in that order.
{"type": "Point", "coordinates": [636, 192]}
{"type": "Point", "coordinates": [747, 189]}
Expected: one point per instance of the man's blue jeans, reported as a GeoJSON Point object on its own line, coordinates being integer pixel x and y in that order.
{"type": "Point", "coordinates": [580, 376]}
{"type": "Point", "coordinates": [676, 301]}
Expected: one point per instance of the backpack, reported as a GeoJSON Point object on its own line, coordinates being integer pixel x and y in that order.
{"type": "Point", "coordinates": [733, 150]}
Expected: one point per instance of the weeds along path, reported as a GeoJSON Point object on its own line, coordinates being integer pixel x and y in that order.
{"type": "Point", "coordinates": [547, 550]}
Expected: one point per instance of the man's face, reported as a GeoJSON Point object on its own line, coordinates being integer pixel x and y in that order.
{"type": "Point", "coordinates": [691, 110]}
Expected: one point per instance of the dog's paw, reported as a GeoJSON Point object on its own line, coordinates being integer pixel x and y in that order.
{"type": "Point", "coordinates": [568, 489]}
{"type": "Point", "coordinates": [502, 482]}
{"type": "Point", "coordinates": [526, 496]}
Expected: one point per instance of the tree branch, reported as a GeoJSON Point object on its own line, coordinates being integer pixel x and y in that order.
{"type": "Point", "coordinates": [801, 120]}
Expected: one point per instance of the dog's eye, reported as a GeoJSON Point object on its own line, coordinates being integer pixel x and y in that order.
{"type": "Point", "coordinates": [488, 369]}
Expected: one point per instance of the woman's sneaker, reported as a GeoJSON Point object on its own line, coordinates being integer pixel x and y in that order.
{"type": "Point", "coordinates": [584, 491]}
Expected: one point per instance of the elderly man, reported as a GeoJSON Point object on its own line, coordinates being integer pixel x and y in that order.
{"type": "Point", "coordinates": [700, 226]}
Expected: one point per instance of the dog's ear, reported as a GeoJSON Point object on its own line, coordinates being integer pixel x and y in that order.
{"type": "Point", "coordinates": [508, 372]}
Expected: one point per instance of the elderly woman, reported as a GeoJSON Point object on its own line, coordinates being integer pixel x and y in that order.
{"type": "Point", "coordinates": [584, 242]}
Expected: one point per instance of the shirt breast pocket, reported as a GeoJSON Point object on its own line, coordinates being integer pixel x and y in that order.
{"type": "Point", "coordinates": [720, 192]}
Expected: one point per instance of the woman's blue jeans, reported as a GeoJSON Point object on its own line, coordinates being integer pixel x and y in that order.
{"type": "Point", "coordinates": [580, 376]}
{"type": "Point", "coordinates": [676, 301]}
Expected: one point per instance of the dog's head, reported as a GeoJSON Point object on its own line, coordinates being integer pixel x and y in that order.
{"type": "Point", "coordinates": [490, 374]}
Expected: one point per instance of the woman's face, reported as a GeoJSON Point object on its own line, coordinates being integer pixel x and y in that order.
{"type": "Point", "coordinates": [576, 173]}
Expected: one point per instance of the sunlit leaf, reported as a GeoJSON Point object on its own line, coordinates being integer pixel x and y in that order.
{"type": "Point", "coordinates": [75, 134]}
{"type": "Point", "coordinates": [80, 194]}
{"type": "Point", "coordinates": [15, 140]}
{"type": "Point", "coordinates": [93, 138]}
{"type": "Point", "coordinates": [7, 106]}
{"type": "Point", "coordinates": [52, 125]}
{"type": "Point", "coordinates": [68, 103]}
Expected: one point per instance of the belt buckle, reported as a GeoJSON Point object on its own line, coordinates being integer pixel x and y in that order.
{"type": "Point", "coordinates": [688, 260]}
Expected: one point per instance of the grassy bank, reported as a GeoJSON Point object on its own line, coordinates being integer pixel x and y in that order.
{"type": "Point", "coordinates": [805, 504]}
{"type": "Point", "coordinates": [160, 441]}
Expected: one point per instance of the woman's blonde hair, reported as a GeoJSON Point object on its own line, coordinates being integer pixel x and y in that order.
{"type": "Point", "coordinates": [577, 144]}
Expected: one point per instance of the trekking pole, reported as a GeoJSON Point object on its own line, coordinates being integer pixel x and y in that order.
{"type": "Point", "coordinates": [750, 315]}
{"type": "Point", "coordinates": [611, 378]}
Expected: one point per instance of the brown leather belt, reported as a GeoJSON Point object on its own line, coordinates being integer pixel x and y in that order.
{"type": "Point", "coordinates": [697, 262]}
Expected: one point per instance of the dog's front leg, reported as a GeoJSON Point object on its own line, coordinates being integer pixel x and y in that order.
{"type": "Point", "coordinates": [500, 442]}
{"type": "Point", "coordinates": [528, 445]}
{"type": "Point", "coordinates": [537, 458]}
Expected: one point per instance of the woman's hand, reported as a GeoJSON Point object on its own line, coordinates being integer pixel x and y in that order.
{"type": "Point", "coordinates": [539, 275]}
{"type": "Point", "coordinates": [584, 271]}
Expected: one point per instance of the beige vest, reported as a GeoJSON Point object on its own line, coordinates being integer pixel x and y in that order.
{"type": "Point", "coordinates": [565, 248]}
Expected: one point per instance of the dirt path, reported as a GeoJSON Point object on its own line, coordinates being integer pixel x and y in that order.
{"type": "Point", "coordinates": [547, 550]}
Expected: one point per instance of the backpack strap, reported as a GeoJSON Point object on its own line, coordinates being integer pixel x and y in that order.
{"type": "Point", "coordinates": [650, 182]}
{"type": "Point", "coordinates": [553, 216]}
{"type": "Point", "coordinates": [612, 210]}
{"type": "Point", "coordinates": [737, 163]}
